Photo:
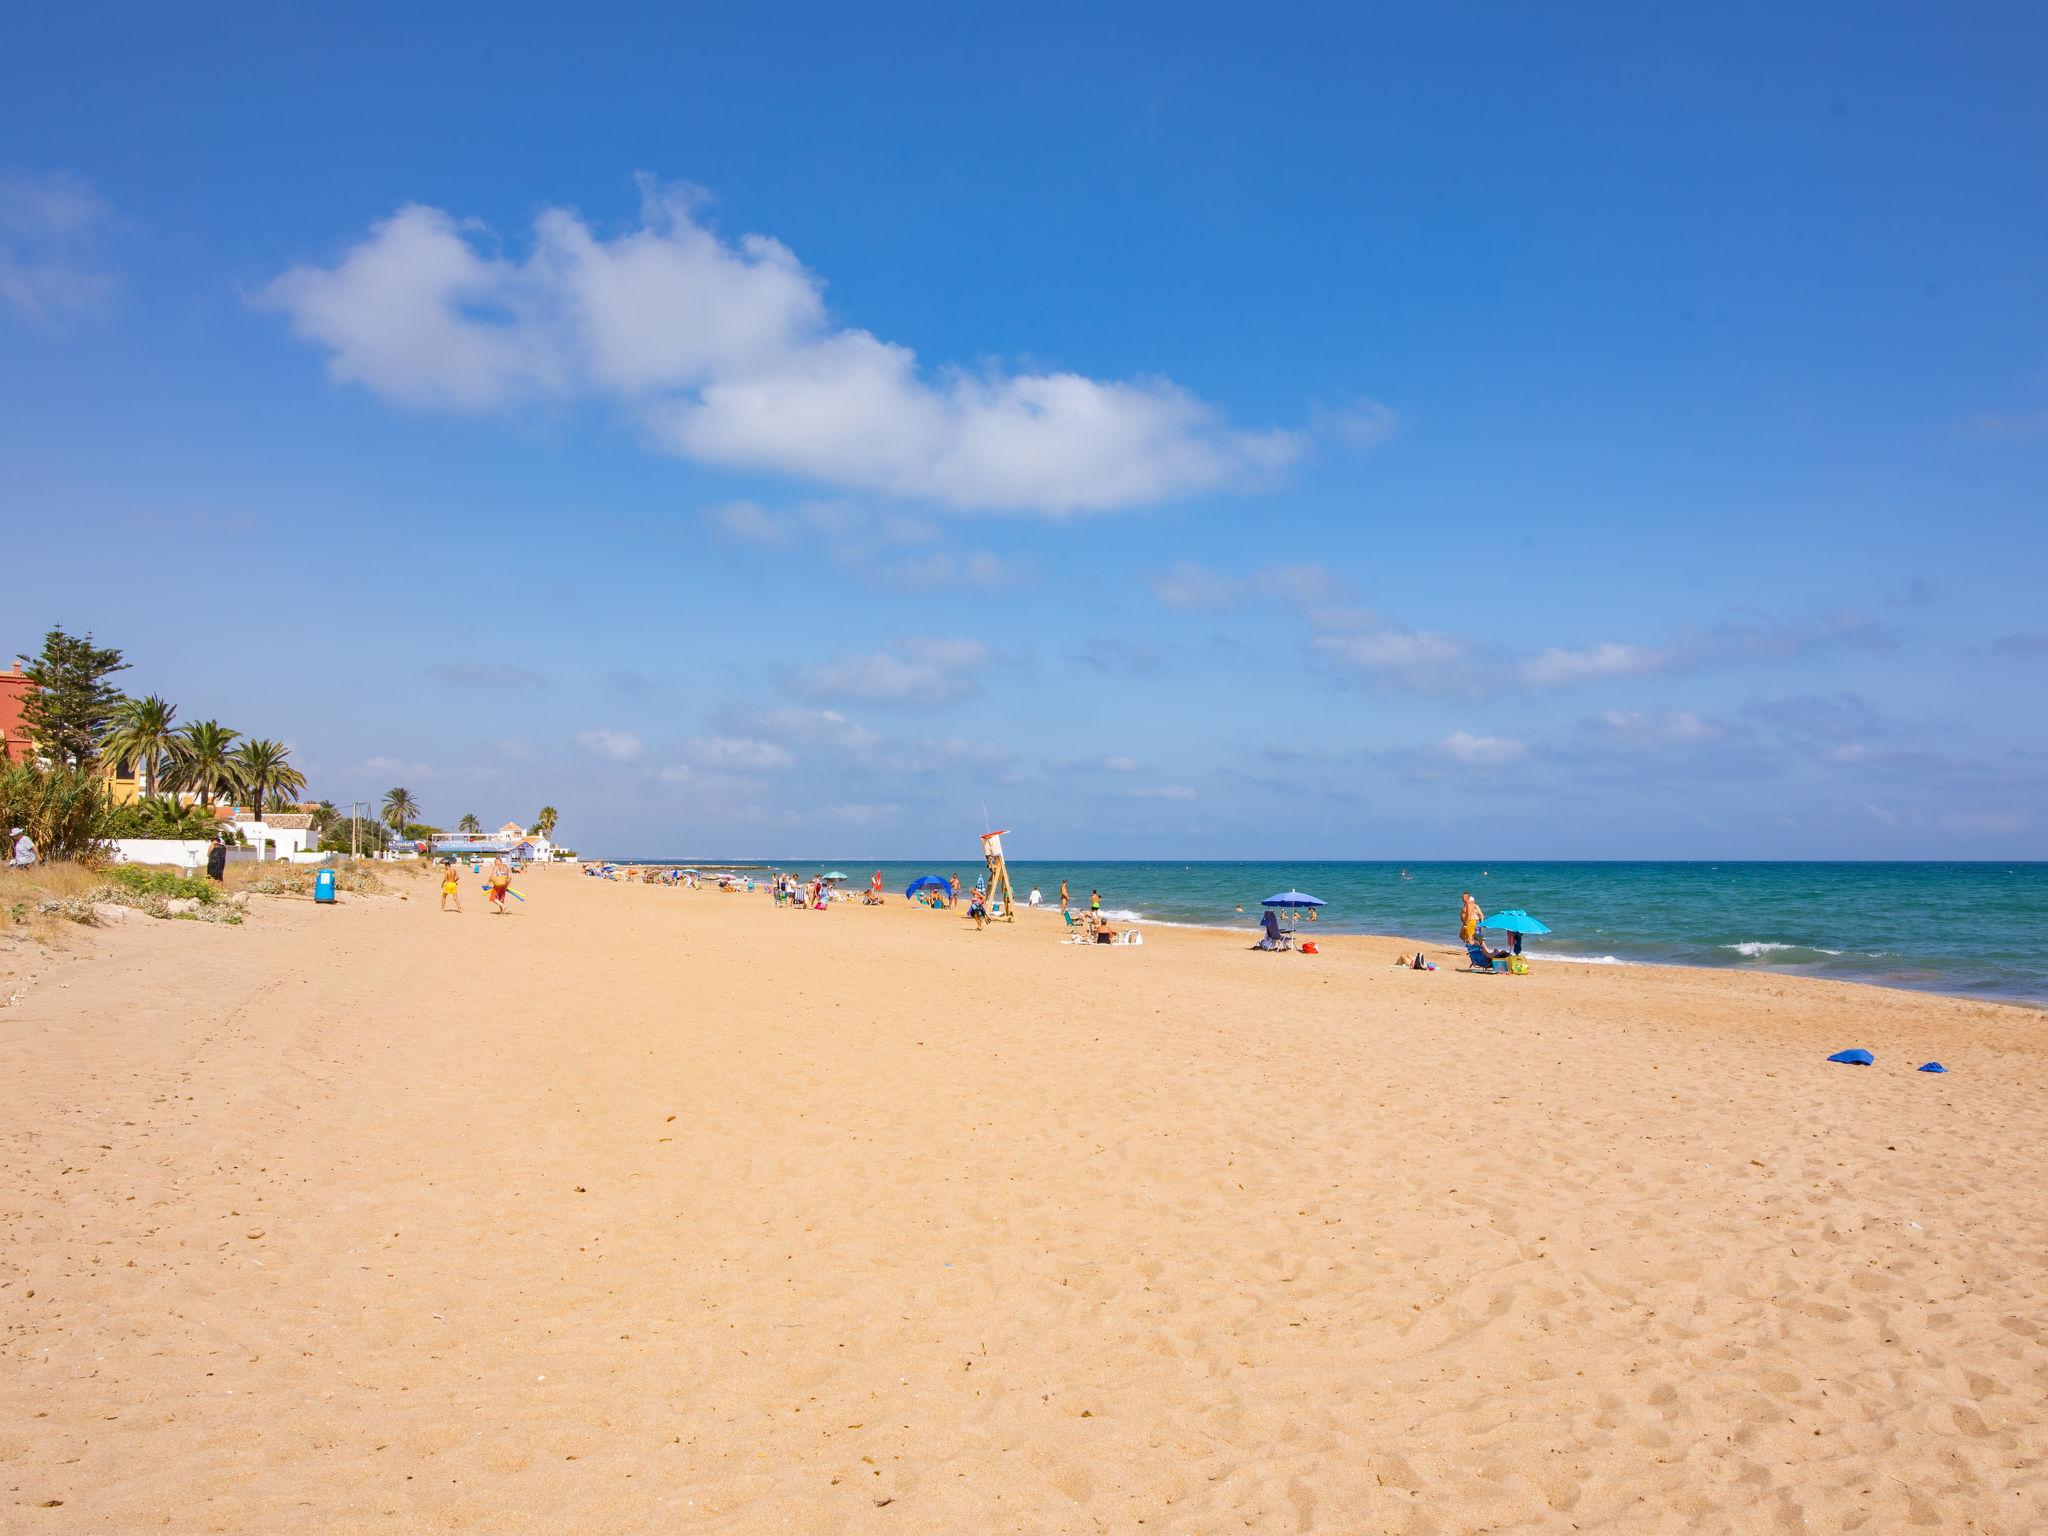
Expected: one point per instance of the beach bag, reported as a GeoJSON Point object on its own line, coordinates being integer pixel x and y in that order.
{"type": "Point", "coordinates": [1310, 948]}
{"type": "Point", "coordinates": [1518, 966]}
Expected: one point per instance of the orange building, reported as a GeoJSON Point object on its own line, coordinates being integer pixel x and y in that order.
{"type": "Point", "coordinates": [15, 747]}
{"type": "Point", "coordinates": [14, 690]}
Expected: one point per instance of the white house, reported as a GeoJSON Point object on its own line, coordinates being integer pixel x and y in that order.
{"type": "Point", "coordinates": [283, 835]}
{"type": "Point", "coordinates": [536, 848]}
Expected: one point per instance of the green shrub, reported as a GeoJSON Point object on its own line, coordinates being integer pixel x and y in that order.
{"type": "Point", "coordinates": [170, 884]}
{"type": "Point", "coordinates": [64, 809]}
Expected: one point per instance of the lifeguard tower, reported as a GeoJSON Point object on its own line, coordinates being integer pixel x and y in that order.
{"type": "Point", "coordinates": [998, 874]}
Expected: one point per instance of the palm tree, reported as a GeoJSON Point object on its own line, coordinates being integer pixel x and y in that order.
{"type": "Point", "coordinates": [544, 823]}
{"type": "Point", "coordinates": [143, 734]}
{"type": "Point", "coordinates": [399, 808]}
{"type": "Point", "coordinates": [202, 761]}
{"type": "Point", "coordinates": [266, 765]}
{"type": "Point", "coordinates": [469, 823]}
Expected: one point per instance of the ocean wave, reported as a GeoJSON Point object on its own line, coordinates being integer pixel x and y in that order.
{"type": "Point", "coordinates": [1551, 954]}
{"type": "Point", "coordinates": [1756, 949]}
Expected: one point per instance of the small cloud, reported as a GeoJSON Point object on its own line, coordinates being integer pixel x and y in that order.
{"type": "Point", "coordinates": [1361, 426]}
{"type": "Point", "coordinates": [1558, 667]}
{"type": "Point", "coordinates": [52, 229]}
{"type": "Point", "coordinates": [1392, 655]}
{"type": "Point", "coordinates": [486, 677]}
{"type": "Point", "coordinates": [615, 746]}
{"type": "Point", "coordinates": [752, 523]}
{"type": "Point", "coordinates": [736, 754]}
{"type": "Point", "coordinates": [1160, 792]}
{"type": "Point", "coordinates": [1188, 586]}
{"type": "Point", "coordinates": [978, 569]}
{"type": "Point", "coordinates": [1482, 751]}
{"type": "Point", "coordinates": [931, 671]}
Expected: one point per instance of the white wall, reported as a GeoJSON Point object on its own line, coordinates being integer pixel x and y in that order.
{"type": "Point", "coordinates": [183, 852]}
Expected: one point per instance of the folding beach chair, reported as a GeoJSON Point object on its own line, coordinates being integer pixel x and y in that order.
{"type": "Point", "coordinates": [1276, 938]}
{"type": "Point", "coordinates": [1477, 959]}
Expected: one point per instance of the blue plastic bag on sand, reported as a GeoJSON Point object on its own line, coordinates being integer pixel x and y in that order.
{"type": "Point", "coordinates": [1857, 1058]}
{"type": "Point", "coordinates": [1933, 1066]}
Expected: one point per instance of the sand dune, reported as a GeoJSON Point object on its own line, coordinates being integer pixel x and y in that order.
{"type": "Point", "coordinates": [645, 1210]}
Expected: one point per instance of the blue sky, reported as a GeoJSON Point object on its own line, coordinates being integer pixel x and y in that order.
{"type": "Point", "coordinates": [1219, 432]}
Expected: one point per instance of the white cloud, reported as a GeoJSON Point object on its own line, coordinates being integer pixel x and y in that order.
{"type": "Point", "coordinates": [52, 229]}
{"type": "Point", "coordinates": [1557, 667]}
{"type": "Point", "coordinates": [1673, 726]}
{"type": "Point", "coordinates": [752, 523]}
{"type": "Point", "coordinates": [1390, 654]}
{"type": "Point", "coordinates": [1189, 586]}
{"type": "Point", "coordinates": [926, 672]}
{"type": "Point", "coordinates": [1482, 751]}
{"type": "Point", "coordinates": [1120, 764]}
{"type": "Point", "coordinates": [1361, 426]}
{"type": "Point", "coordinates": [617, 746]}
{"type": "Point", "coordinates": [1161, 792]}
{"type": "Point", "coordinates": [979, 569]}
{"type": "Point", "coordinates": [737, 753]}
{"type": "Point", "coordinates": [724, 351]}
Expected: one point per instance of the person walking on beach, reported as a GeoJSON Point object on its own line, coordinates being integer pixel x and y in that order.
{"type": "Point", "coordinates": [953, 891]}
{"type": "Point", "coordinates": [217, 860]}
{"type": "Point", "coordinates": [1469, 919]}
{"type": "Point", "coordinates": [451, 886]}
{"type": "Point", "coordinates": [501, 883]}
{"type": "Point", "coordinates": [1063, 898]}
{"type": "Point", "coordinates": [1034, 897]}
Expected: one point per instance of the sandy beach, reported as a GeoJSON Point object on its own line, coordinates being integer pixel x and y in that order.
{"type": "Point", "coordinates": [652, 1210]}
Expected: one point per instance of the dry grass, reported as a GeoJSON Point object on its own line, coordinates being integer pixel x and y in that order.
{"type": "Point", "coordinates": [363, 876]}
{"type": "Point", "coordinates": [43, 905]}
{"type": "Point", "coordinates": [48, 882]}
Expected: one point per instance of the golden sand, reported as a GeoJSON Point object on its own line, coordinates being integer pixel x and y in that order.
{"type": "Point", "coordinates": [650, 1210]}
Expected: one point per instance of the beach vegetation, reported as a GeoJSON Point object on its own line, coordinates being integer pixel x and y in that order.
{"type": "Point", "coordinates": [70, 711]}
{"type": "Point", "coordinates": [62, 808]}
{"type": "Point", "coordinates": [469, 823]}
{"type": "Point", "coordinates": [159, 816]}
{"type": "Point", "coordinates": [161, 880]}
{"type": "Point", "coordinates": [544, 823]}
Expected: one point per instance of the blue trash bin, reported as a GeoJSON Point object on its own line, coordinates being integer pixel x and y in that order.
{"type": "Point", "coordinates": [323, 886]}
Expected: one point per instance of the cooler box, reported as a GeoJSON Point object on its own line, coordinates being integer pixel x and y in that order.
{"type": "Point", "coordinates": [323, 886]}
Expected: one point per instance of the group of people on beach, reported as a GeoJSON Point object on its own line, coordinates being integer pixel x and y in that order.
{"type": "Point", "coordinates": [497, 883]}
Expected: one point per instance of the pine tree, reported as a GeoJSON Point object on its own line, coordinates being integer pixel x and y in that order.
{"type": "Point", "coordinates": [72, 707]}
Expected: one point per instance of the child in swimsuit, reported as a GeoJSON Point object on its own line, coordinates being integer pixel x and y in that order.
{"type": "Point", "coordinates": [451, 888]}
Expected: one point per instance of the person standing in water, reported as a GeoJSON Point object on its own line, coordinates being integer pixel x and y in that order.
{"type": "Point", "coordinates": [1469, 919]}
{"type": "Point", "coordinates": [1095, 903]}
{"type": "Point", "coordinates": [1063, 897]}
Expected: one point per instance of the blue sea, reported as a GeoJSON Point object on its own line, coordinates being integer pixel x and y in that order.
{"type": "Point", "coordinates": [1976, 930]}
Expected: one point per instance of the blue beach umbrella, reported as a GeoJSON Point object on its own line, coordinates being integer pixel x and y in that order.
{"type": "Point", "coordinates": [833, 874]}
{"type": "Point", "coordinates": [926, 883]}
{"type": "Point", "coordinates": [1292, 899]}
{"type": "Point", "coordinates": [1516, 921]}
